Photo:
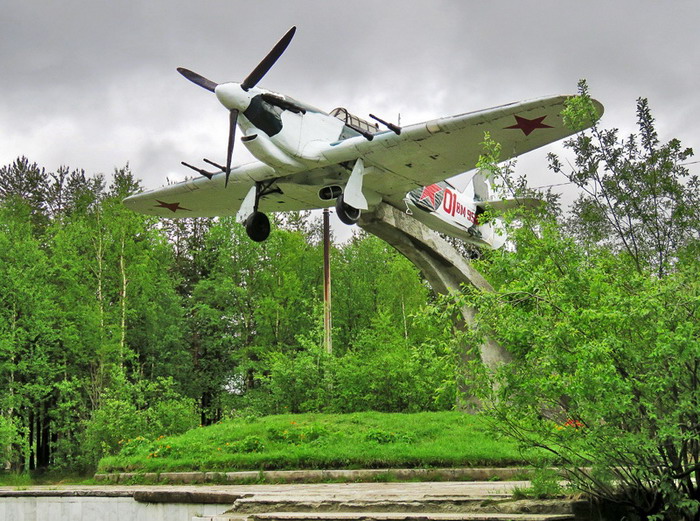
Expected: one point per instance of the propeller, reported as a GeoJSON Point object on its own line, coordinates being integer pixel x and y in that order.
{"type": "Point", "coordinates": [233, 119]}
{"type": "Point", "coordinates": [248, 83]}
{"type": "Point", "coordinates": [268, 61]}
{"type": "Point", "coordinates": [197, 79]}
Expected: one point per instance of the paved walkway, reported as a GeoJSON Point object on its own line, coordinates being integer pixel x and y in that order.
{"type": "Point", "coordinates": [349, 491]}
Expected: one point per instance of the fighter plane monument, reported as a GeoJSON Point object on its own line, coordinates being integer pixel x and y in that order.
{"type": "Point", "coordinates": [391, 180]}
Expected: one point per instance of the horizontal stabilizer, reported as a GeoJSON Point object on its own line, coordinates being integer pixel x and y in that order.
{"type": "Point", "coordinates": [503, 205]}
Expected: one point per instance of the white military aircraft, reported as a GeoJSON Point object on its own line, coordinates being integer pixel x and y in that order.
{"type": "Point", "coordinates": [311, 159]}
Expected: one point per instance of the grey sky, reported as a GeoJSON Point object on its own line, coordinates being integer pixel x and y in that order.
{"type": "Point", "coordinates": [92, 84]}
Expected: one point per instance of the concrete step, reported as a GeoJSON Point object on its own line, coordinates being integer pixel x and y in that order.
{"type": "Point", "coordinates": [387, 516]}
{"type": "Point", "coordinates": [257, 504]}
{"type": "Point", "coordinates": [317, 476]}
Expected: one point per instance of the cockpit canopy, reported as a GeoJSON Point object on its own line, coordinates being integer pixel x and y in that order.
{"type": "Point", "coordinates": [354, 122]}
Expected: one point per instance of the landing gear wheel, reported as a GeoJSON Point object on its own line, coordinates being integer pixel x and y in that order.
{"type": "Point", "coordinates": [346, 213]}
{"type": "Point", "coordinates": [257, 226]}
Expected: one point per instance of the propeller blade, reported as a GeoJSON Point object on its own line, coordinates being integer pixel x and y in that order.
{"type": "Point", "coordinates": [233, 118]}
{"type": "Point", "coordinates": [269, 60]}
{"type": "Point", "coordinates": [197, 79]}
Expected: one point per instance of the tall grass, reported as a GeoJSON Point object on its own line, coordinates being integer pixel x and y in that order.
{"type": "Point", "coordinates": [328, 441]}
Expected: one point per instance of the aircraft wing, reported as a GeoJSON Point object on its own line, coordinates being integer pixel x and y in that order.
{"type": "Point", "coordinates": [202, 197]}
{"type": "Point", "coordinates": [421, 155]}
{"type": "Point", "coordinates": [432, 151]}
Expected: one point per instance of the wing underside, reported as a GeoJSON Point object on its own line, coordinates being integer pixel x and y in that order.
{"type": "Point", "coordinates": [202, 197]}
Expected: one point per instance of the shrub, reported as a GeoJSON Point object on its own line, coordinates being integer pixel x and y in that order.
{"type": "Point", "coordinates": [138, 414]}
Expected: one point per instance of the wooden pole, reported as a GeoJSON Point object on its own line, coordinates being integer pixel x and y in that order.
{"type": "Point", "coordinates": [327, 325]}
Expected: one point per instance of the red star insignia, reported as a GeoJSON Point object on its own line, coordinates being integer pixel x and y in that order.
{"type": "Point", "coordinates": [173, 207]}
{"type": "Point", "coordinates": [528, 125]}
{"type": "Point", "coordinates": [429, 193]}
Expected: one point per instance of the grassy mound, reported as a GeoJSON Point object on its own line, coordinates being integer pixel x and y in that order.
{"type": "Point", "coordinates": [322, 441]}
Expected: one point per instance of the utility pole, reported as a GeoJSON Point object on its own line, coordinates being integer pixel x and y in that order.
{"type": "Point", "coordinates": [327, 325]}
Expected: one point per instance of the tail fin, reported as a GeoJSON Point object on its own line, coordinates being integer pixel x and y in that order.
{"type": "Point", "coordinates": [481, 187]}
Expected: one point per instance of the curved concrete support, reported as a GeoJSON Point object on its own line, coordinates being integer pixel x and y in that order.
{"type": "Point", "coordinates": [440, 262]}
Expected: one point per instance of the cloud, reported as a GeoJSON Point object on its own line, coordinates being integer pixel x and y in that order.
{"type": "Point", "coordinates": [93, 83]}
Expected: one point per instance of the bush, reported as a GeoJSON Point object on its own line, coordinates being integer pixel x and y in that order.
{"type": "Point", "coordinates": [135, 415]}
{"type": "Point", "coordinates": [9, 438]}
{"type": "Point", "coordinates": [381, 371]}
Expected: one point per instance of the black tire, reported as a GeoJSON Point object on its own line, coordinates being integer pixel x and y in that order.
{"type": "Point", "coordinates": [257, 226]}
{"type": "Point", "coordinates": [346, 213]}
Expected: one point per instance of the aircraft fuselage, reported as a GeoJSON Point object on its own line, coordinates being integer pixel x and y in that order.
{"type": "Point", "coordinates": [443, 208]}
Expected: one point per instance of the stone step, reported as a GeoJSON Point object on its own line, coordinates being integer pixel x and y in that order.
{"type": "Point", "coordinates": [257, 504]}
{"type": "Point", "coordinates": [317, 476]}
{"type": "Point", "coordinates": [387, 516]}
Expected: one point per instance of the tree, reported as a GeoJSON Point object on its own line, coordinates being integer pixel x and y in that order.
{"type": "Point", "coordinates": [111, 321]}
{"type": "Point", "coordinates": [29, 343]}
{"type": "Point", "coordinates": [604, 329]}
{"type": "Point", "coordinates": [637, 195]}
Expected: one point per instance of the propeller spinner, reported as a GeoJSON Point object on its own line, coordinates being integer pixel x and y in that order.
{"type": "Point", "coordinates": [234, 95]}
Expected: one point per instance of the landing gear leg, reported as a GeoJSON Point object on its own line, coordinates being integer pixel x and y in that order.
{"type": "Point", "coordinates": [346, 213]}
{"type": "Point", "coordinates": [256, 223]}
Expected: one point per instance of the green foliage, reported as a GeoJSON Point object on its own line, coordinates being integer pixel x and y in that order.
{"type": "Point", "coordinates": [606, 372]}
{"type": "Point", "coordinates": [601, 322]}
{"type": "Point", "coordinates": [637, 195]}
{"type": "Point", "coordinates": [579, 111]}
{"type": "Point", "coordinates": [250, 444]}
{"type": "Point", "coordinates": [489, 158]}
{"type": "Point", "coordinates": [132, 415]}
{"type": "Point", "coordinates": [545, 483]}
{"type": "Point", "coordinates": [99, 306]}
{"type": "Point", "coordinates": [380, 372]}
{"type": "Point", "coordinates": [132, 446]}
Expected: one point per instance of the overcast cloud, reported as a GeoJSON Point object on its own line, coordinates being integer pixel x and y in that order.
{"type": "Point", "coordinates": [92, 84]}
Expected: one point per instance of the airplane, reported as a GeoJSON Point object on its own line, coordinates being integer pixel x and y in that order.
{"type": "Point", "coordinates": [309, 159]}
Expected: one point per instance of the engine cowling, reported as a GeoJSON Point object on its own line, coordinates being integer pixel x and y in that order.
{"type": "Point", "coordinates": [262, 147]}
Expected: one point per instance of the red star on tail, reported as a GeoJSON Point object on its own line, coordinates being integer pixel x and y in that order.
{"type": "Point", "coordinates": [528, 125]}
{"type": "Point", "coordinates": [429, 193]}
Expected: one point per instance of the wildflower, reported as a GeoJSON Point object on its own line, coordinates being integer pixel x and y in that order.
{"type": "Point", "coordinates": [575, 424]}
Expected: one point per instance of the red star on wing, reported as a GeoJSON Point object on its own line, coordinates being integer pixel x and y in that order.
{"type": "Point", "coordinates": [173, 207]}
{"type": "Point", "coordinates": [429, 193]}
{"type": "Point", "coordinates": [528, 125]}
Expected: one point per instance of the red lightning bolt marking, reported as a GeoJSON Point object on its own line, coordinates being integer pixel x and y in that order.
{"type": "Point", "coordinates": [529, 125]}
{"type": "Point", "coordinates": [173, 207]}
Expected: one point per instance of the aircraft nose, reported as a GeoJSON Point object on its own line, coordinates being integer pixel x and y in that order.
{"type": "Point", "coordinates": [232, 96]}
